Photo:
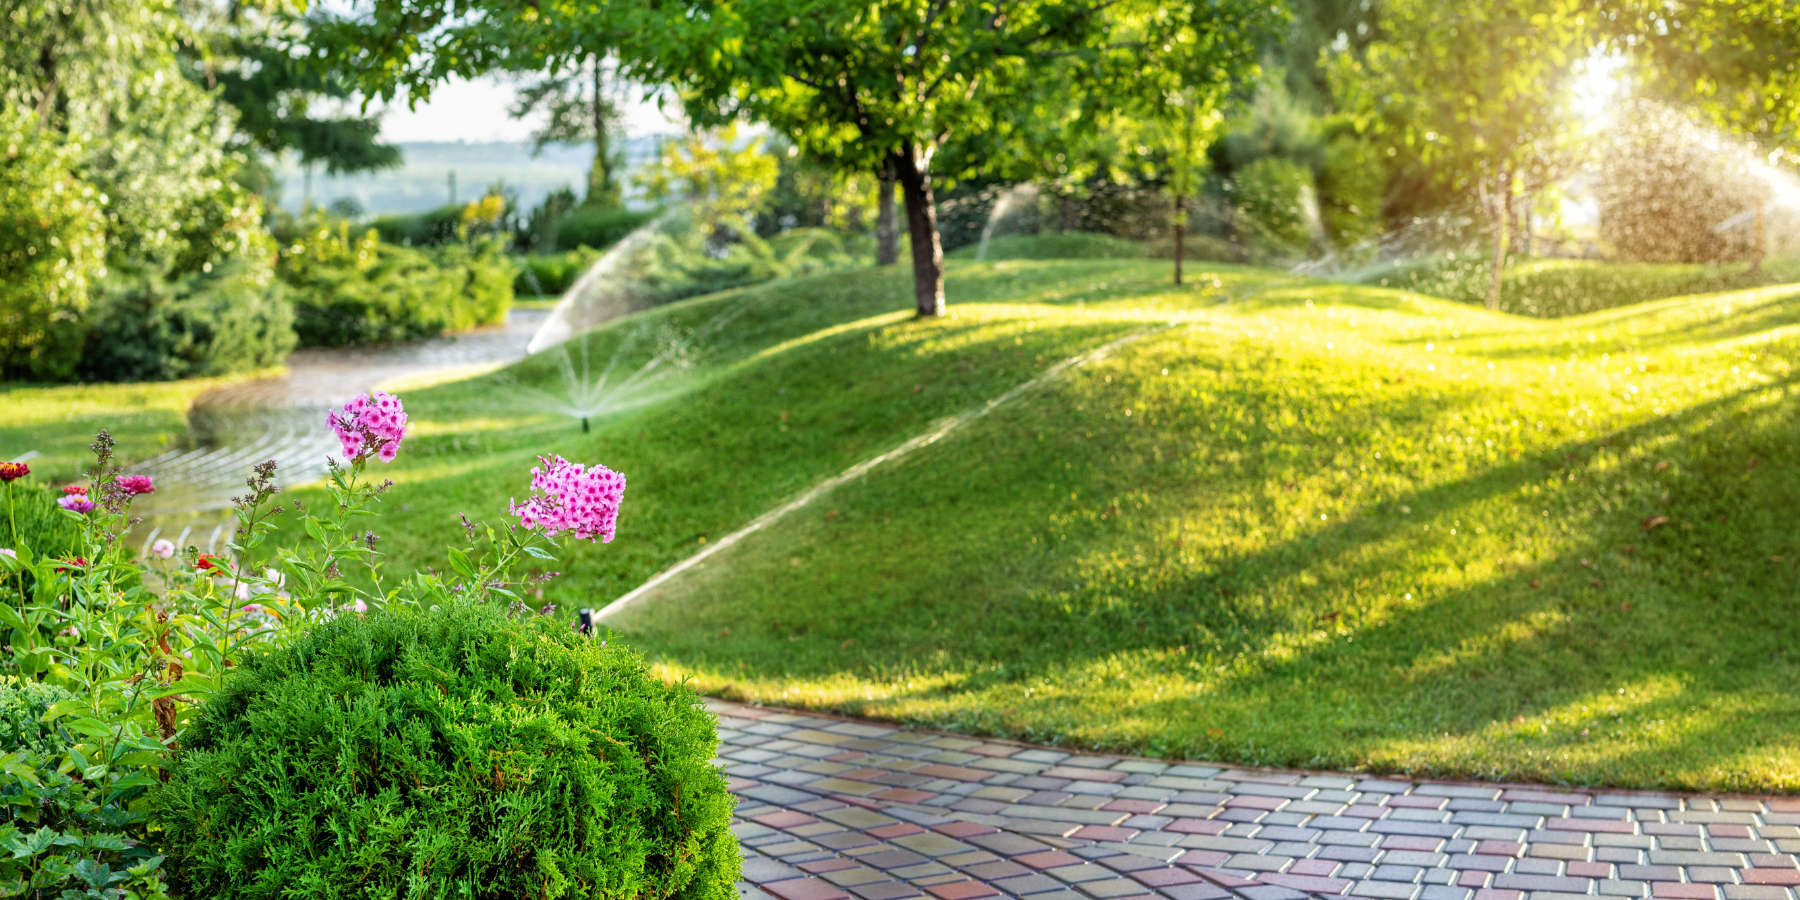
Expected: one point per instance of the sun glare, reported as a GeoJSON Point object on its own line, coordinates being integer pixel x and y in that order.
{"type": "Point", "coordinates": [1600, 83]}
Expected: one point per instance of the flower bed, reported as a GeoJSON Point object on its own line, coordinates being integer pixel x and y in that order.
{"type": "Point", "coordinates": [295, 720]}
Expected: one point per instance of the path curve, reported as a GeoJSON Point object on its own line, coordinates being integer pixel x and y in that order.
{"type": "Point", "coordinates": [837, 809]}
{"type": "Point", "coordinates": [234, 427]}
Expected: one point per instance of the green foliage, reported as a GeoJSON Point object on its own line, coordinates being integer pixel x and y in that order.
{"type": "Point", "coordinates": [60, 835]}
{"type": "Point", "coordinates": [539, 233]}
{"type": "Point", "coordinates": [599, 227]}
{"type": "Point", "coordinates": [1351, 184]}
{"type": "Point", "coordinates": [362, 291]}
{"type": "Point", "coordinates": [1271, 196]}
{"type": "Point", "coordinates": [426, 229]}
{"type": "Point", "coordinates": [721, 177]}
{"type": "Point", "coordinates": [34, 520]}
{"type": "Point", "coordinates": [1553, 288]}
{"type": "Point", "coordinates": [233, 318]}
{"type": "Point", "coordinates": [551, 273]}
{"type": "Point", "coordinates": [1059, 245]}
{"type": "Point", "coordinates": [687, 262]}
{"type": "Point", "coordinates": [449, 752]}
{"type": "Point", "coordinates": [51, 248]}
{"type": "Point", "coordinates": [22, 708]}
{"type": "Point", "coordinates": [1736, 61]}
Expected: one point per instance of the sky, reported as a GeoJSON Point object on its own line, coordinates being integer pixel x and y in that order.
{"type": "Point", "coordinates": [476, 110]}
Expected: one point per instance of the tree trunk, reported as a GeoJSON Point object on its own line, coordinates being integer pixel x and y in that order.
{"type": "Point", "coordinates": [1502, 203]}
{"type": "Point", "coordinates": [913, 170]}
{"type": "Point", "coordinates": [1180, 232]}
{"type": "Point", "coordinates": [887, 219]}
{"type": "Point", "coordinates": [603, 189]}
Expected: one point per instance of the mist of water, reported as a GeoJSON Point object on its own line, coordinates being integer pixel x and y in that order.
{"type": "Point", "coordinates": [601, 293]}
{"type": "Point", "coordinates": [1013, 201]}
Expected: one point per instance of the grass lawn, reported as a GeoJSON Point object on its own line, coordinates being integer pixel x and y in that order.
{"type": "Point", "coordinates": [1291, 523]}
{"type": "Point", "coordinates": [59, 421]}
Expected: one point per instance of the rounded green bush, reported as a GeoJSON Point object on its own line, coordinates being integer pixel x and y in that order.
{"type": "Point", "coordinates": [448, 753]}
{"type": "Point", "coordinates": [22, 707]}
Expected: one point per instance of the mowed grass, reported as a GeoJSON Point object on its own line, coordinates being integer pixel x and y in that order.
{"type": "Point", "coordinates": [1287, 522]}
{"type": "Point", "coordinates": [58, 422]}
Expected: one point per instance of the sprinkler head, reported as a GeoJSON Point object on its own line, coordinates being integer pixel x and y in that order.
{"type": "Point", "coordinates": [584, 425]}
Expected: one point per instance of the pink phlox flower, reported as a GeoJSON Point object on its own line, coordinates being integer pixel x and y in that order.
{"type": "Point", "coordinates": [371, 424]}
{"type": "Point", "coordinates": [571, 497]}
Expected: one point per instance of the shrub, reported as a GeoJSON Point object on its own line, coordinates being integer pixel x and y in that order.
{"type": "Point", "coordinates": [539, 231]}
{"type": "Point", "coordinates": [52, 247]}
{"type": "Point", "coordinates": [22, 708]}
{"type": "Point", "coordinates": [1270, 195]}
{"type": "Point", "coordinates": [234, 318]}
{"type": "Point", "coordinates": [551, 273]}
{"type": "Point", "coordinates": [425, 229]}
{"type": "Point", "coordinates": [449, 752]}
{"type": "Point", "coordinates": [599, 227]}
{"type": "Point", "coordinates": [1352, 183]}
{"type": "Point", "coordinates": [362, 291]}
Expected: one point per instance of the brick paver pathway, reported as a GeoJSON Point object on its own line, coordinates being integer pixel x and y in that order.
{"type": "Point", "coordinates": [831, 809]}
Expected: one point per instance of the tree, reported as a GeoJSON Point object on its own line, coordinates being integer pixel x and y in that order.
{"type": "Point", "coordinates": [1734, 62]}
{"type": "Point", "coordinates": [901, 78]}
{"type": "Point", "coordinates": [721, 176]}
{"type": "Point", "coordinates": [871, 85]}
{"type": "Point", "coordinates": [279, 104]}
{"type": "Point", "coordinates": [578, 111]}
{"type": "Point", "coordinates": [1480, 91]}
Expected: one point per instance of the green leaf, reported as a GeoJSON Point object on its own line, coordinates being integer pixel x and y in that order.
{"type": "Point", "coordinates": [460, 562]}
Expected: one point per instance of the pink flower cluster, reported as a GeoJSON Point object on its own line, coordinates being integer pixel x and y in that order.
{"type": "Point", "coordinates": [568, 496]}
{"type": "Point", "coordinates": [371, 424]}
{"type": "Point", "coordinates": [136, 484]}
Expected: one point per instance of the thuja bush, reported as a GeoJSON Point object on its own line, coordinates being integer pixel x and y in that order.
{"type": "Point", "coordinates": [454, 752]}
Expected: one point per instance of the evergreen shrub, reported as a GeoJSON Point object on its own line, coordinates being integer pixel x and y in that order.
{"type": "Point", "coordinates": [449, 752]}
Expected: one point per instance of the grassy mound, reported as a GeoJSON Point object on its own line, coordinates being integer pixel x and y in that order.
{"type": "Point", "coordinates": [1551, 288]}
{"type": "Point", "coordinates": [1290, 522]}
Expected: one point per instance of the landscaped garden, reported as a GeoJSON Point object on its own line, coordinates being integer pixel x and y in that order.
{"type": "Point", "coordinates": [1320, 448]}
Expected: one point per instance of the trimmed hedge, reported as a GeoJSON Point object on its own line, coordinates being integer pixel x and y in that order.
{"type": "Point", "coordinates": [599, 227]}
{"type": "Point", "coordinates": [448, 753]}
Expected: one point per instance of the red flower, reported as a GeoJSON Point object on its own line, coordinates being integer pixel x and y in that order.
{"type": "Point", "coordinates": [75, 489]}
{"type": "Point", "coordinates": [13, 470]}
{"type": "Point", "coordinates": [75, 562]}
{"type": "Point", "coordinates": [209, 562]}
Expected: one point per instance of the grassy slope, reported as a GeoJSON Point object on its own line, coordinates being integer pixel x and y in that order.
{"type": "Point", "coordinates": [1326, 537]}
{"type": "Point", "coordinates": [1311, 525]}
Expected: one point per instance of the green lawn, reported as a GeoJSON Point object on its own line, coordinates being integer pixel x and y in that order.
{"type": "Point", "coordinates": [59, 421]}
{"type": "Point", "coordinates": [1292, 523]}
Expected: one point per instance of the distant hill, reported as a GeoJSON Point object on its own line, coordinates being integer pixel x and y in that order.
{"type": "Point", "coordinates": [423, 180]}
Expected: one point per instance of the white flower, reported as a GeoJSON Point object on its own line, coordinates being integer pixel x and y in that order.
{"type": "Point", "coordinates": [163, 548]}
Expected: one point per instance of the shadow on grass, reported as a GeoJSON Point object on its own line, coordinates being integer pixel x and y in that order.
{"type": "Point", "coordinates": [1015, 559]}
